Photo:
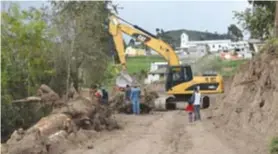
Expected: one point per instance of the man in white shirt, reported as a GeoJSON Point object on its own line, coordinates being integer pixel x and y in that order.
{"type": "Point", "coordinates": [197, 104]}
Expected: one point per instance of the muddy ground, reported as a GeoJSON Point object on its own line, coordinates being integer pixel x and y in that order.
{"type": "Point", "coordinates": [164, 133]}
{"type": "Point", "coordinates": [171, 133]}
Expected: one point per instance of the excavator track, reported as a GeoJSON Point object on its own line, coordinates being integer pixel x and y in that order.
{"type": "Point", "coordinates": [170, 102]}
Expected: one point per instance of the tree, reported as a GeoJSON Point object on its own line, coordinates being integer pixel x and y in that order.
{"type": "Point", "coordinates": [259, 20]}
{"type": "Point", "coordinates": [43, 46]}
{"type": "Point", "coordinates": [276, 20]}
{"type": "Point", "coordinates": [235, 33]}
{"type": "Point", "coordinates": [26, 63]}
{"type": "Point", "coordinates": [163, 36]}
{"type": "Point", "coordinates": [131, 43]}
{"type": "Point", "coordinates": [85, 38]}
{"type": "Point", "coordinates": [157, 30]}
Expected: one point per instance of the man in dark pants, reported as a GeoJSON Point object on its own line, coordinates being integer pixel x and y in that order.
{"type": "Point", "coordinates": [105, 97]}
{"type": "Point", "coordinates": [196, 99]}
{"type": "Point", "coordinates": [127, 93]}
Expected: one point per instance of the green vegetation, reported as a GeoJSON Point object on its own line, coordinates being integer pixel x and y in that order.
{"type": "Point", "coordinates": [271, 46]}
{"type": "Point", "coordinates": [64, 45]}
{"type": "Point", "coordinates": [259, 20]}
{"type": "Point", "coordinates": [206, 63]}
{"type": "Point", "coordinates": [235, 32]}
{"type": "Point", "coordinates": [211, 63]}
{"type": "Point", "coordinates": [274, 146]}
{"type": "Point", "coordinates": [136, 64]}
{"type": "Point", "coordinates": [25, 63]}
{"type": "Point", "coordinates": [229, 68]}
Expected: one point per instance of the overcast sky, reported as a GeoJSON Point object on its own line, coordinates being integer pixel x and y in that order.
{"type": "Point", "coordinates": [170, 15]}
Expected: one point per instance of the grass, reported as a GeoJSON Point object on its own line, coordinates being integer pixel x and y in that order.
{"type": "Point", "coordinates": [136, 64]}
{"type": "Point", "coordinates": [274, 146]}
{"type": "Point", "coordinates": [224, 67]}
{"type": "Point", "coordinates": [232, 67]}
{"type": "Point", "coordinates": [270, 46]}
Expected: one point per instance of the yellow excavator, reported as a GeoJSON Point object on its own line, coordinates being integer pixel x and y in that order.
{"type": "Point", "coordinates": [180, 81]}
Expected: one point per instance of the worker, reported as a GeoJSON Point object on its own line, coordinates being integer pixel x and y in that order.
{"type": "Point", "coordinates": [196, 99]}
{"type": "Point", "coordinates": [135, 98]}
{"type": "Point", "coordinates": [127, 93]}
{"type": "Point", "coordinates": [97, 93]}
{"type": "Point", "coordinates": [104, 98]}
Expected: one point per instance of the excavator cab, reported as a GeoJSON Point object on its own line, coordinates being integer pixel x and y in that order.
{"type": "Point", "coordinates": [176, 75]}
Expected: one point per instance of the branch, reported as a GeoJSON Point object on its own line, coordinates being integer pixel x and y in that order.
{"type": "Point", "coordinates": [28, 100]}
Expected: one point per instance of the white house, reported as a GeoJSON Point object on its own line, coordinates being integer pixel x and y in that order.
{"type": "Point", "coordinates": [134, 52]}
{"type": "Point", "coordinates": [213, 45]}
{"type": "Point", "coordinates": [240, 45]}
{"type": "Point", "coordinates": [157, 65]}
{"type": "Point", "coordinates": [156, 75]}
{"type": "Point", "coordinates": [157, 71]}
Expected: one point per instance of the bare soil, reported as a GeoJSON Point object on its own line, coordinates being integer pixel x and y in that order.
{"type": "Point", "coordinates": [248, 110]}
{"type": "Point", "coordinates": [162, 133]}
{"type": "Point", "coordinates": [241, 121]}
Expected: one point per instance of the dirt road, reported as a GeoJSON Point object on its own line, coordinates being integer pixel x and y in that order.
{"type": "Point", "coordinates": [159, 133]}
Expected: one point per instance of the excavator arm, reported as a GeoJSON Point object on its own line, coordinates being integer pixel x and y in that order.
{"type": "Point", "coordinates": [179, 80]}
{"type": "Point", "coordinates": [117, 29]}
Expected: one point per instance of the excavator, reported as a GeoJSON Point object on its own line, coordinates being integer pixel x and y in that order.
{"type": "Point", "coordinates": [180, 81]}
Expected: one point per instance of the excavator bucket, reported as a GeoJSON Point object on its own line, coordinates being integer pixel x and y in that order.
{"type": "Point", "coordinates": [123, 79]}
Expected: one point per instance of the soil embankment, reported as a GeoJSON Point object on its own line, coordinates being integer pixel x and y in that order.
{"type": "Point", "coordinates": [248, 110]}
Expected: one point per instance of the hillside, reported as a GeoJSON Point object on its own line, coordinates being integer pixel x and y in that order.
{"type": "Point", "coordinates": [173, 36]}
{"type": "Point", "coordinates": [248, 109]}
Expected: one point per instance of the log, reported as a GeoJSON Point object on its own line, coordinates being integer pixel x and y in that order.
{"type": "Point", "coordinates": [47, 94]}
{"type": "Point", "coordinates": [46, 89]}
{"type": "Point", "coordinates": [44, 95]}
{"type": "Point", "coordinates": [51, 124]}
{"type": "Point", "coordinates": [65, 119]}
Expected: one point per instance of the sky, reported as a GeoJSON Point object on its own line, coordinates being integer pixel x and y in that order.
{"type": "Point", "coordinates": [213, 16]}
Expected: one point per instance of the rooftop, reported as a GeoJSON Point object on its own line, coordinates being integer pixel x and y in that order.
{"type": "Point", "coordinates": [159, 71]}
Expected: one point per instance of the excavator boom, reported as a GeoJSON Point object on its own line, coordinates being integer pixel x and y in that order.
{"type": "Point", "coordinates": [117, 29]}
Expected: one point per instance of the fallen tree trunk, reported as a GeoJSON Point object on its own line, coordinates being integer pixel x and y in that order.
{"type": "Point", "coordinates": [44, 95]}
{"type": "Point", "coordinates": [60, 130]}
{"type": "Point", "coordinates": [66, 118]}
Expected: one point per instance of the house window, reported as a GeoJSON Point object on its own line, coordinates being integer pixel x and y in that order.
{"type": "Point", "coordinates": [219, 46]}
{"type": "Point", "coordinates": [213, 46]}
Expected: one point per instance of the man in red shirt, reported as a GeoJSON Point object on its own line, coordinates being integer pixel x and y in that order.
{"type": "Point", "coordinates": [96, 93]}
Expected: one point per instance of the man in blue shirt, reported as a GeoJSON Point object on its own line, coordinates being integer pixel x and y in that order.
{"type": "Point", "coordinates": [135, 98]}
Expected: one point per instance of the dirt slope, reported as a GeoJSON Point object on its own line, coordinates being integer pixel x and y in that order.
{"type": "Point", "coordinates": [249, 109]}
